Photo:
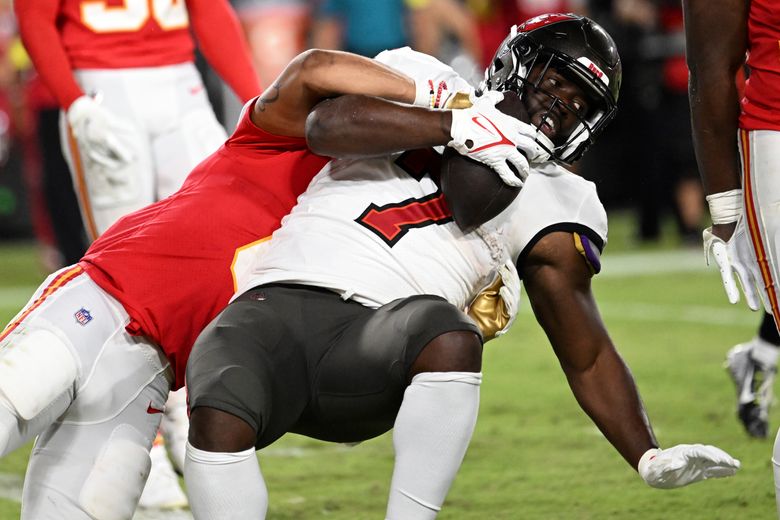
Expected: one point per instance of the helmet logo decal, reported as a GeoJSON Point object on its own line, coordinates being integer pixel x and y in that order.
{"type": "Point", "coordinates": [545, 19]}
{"type": "Point", "coordinates": [594, 69]}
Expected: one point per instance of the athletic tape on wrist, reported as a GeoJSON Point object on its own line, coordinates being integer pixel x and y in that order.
{"type": "Point", "coordinates": [725, 207]}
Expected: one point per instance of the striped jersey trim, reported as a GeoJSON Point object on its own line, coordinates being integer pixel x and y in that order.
{"type": "Point", "coordinates": [59, 281]}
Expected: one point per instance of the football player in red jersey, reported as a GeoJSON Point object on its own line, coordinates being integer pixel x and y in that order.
{"type": "Point", "coordinates": [737, 145]}
{"type": "Point", "coordinates": [88, 362]}
{"type": "Point", "coordinates": [136, 118]}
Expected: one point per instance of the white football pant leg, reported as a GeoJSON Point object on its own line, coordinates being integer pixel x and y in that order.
{"type": "Point", "coordinates": [29, 400]}
{"type": "Point", "coordinates": [87, 471]}
{"type": "Point", "coordinates": [431, 434]}
{"type": "Point", "coordinates": [760, 151]}
{"type": "Point", "coordinates": [40, 364]}
{"type": "Point", "coordinates": [104, 196]}
{"type": "Point", "coordinates": [175, 152]}
{"type": "Point", "coordinates": [68, 351]}
{"type": "Point", "coordinates": [225, 485]}
{"type": "Point", "coordinates": [15, 431]}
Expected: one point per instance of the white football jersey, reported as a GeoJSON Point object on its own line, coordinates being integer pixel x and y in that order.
{"type": "Point", "coordinates": [372, 232]}
{"type": "Point", "coordinates": [379, 229]}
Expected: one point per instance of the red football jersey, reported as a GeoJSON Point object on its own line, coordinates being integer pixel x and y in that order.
{"type": "Point", "coordinates": [761, 102]}
{"type": "Point", "coordinates": [170, 263]}
{"type": "Point", "coordinates": [111, 34]}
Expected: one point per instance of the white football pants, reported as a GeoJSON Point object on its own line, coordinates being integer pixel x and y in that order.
{"type": "Point", "coordinates": [166, 120]}
{"type": "Point", "coordinates": [70, 373]}
{"type": "Point", "coordinates": [760, 154]}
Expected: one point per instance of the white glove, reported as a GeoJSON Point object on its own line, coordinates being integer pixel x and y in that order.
{"type": "Point", "coordinates": [94, 129]}
{"type": "Point", "coordinates": [685, 464]}
{"type": "Point", "coordinates": [509, 293]}
{"type": "Point", "coordinates": [485, 134]}
{"type": "Point", "coordinates": [736, 255]}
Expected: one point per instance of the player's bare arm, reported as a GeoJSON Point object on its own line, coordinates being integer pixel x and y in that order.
{"type": "Point", "coordinates": [338, 127]}
{"type": "Point", "coordinates": [359, 126]}
{"type": "Point", "coordinates": [716, 42]}
{"type": "Point", "coordinates": [318, 74]}
{"type": "Point", "coordinates": [558, 281]}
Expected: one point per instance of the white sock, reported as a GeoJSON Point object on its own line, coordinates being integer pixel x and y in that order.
{"type": "Point", "coordinates": [225, 485]}
{"type": "Point", "coordinates": [431, 434]}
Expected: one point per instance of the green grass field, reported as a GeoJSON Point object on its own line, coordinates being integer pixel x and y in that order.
{"type": "Point", "coordinates": [534, 454]}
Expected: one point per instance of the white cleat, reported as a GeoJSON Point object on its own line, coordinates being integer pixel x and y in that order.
{"type": "Point", "coordinates": [754, 380]}
{"type": "Point", "coordinates": [162, 489]}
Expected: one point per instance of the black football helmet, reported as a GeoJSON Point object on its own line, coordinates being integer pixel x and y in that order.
{"type": "Point", "coordinates": [581, 51]}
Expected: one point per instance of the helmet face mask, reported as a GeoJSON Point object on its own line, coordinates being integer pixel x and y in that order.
{"type": "Point", "coordinates": [566, 69]}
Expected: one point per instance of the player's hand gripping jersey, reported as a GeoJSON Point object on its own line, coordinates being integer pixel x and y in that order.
{"type": "Point", "coordinates": [170, 264]}
{"type": "Point", "coordinates": [377, 230]}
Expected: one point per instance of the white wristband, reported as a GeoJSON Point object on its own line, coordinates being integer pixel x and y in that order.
{"type": "Point", "coordinates": [725, 207]}
{"type": "Point", "coordinates": [424, 95]}
{"type": "Point", "coordinates": [648, 456]}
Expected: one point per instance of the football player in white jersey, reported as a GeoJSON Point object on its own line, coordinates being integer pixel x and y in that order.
{"type": "Point", "coordinates": [351, 320]}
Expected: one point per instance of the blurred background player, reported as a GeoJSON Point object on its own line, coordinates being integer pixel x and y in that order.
{"type": "Point", "coordinates": [276, 31]}
{"type": "Point", "coordinates": [733, 136]}
{"type": "Point", "coordinates": [136, 119]}
{"type": "Point", "coordinates": [365, 28]}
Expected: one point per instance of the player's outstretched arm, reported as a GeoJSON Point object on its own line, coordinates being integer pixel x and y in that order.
{"type": "Point", "coordinates": [222, 42]}
{"type": "Point", "coordinates": [716, 42]}
{"type": "Point", "coordinates": [557, 280]}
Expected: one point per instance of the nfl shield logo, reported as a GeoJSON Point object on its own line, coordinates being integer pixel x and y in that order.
{"type": "Point", "coordinates": [83, 316]}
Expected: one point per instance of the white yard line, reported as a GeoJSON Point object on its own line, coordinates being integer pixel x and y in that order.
{"type": "Point", "coordinates": [652, 262]}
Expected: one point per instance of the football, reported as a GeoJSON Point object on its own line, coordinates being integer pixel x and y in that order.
{"type": "Point", "coordinates": [474, 192]}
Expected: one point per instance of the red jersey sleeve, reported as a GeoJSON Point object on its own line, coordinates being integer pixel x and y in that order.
{"type": "Point", "coordinates": [38, 28]}
{"type": "Point", "coordinates": [222, 42]}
